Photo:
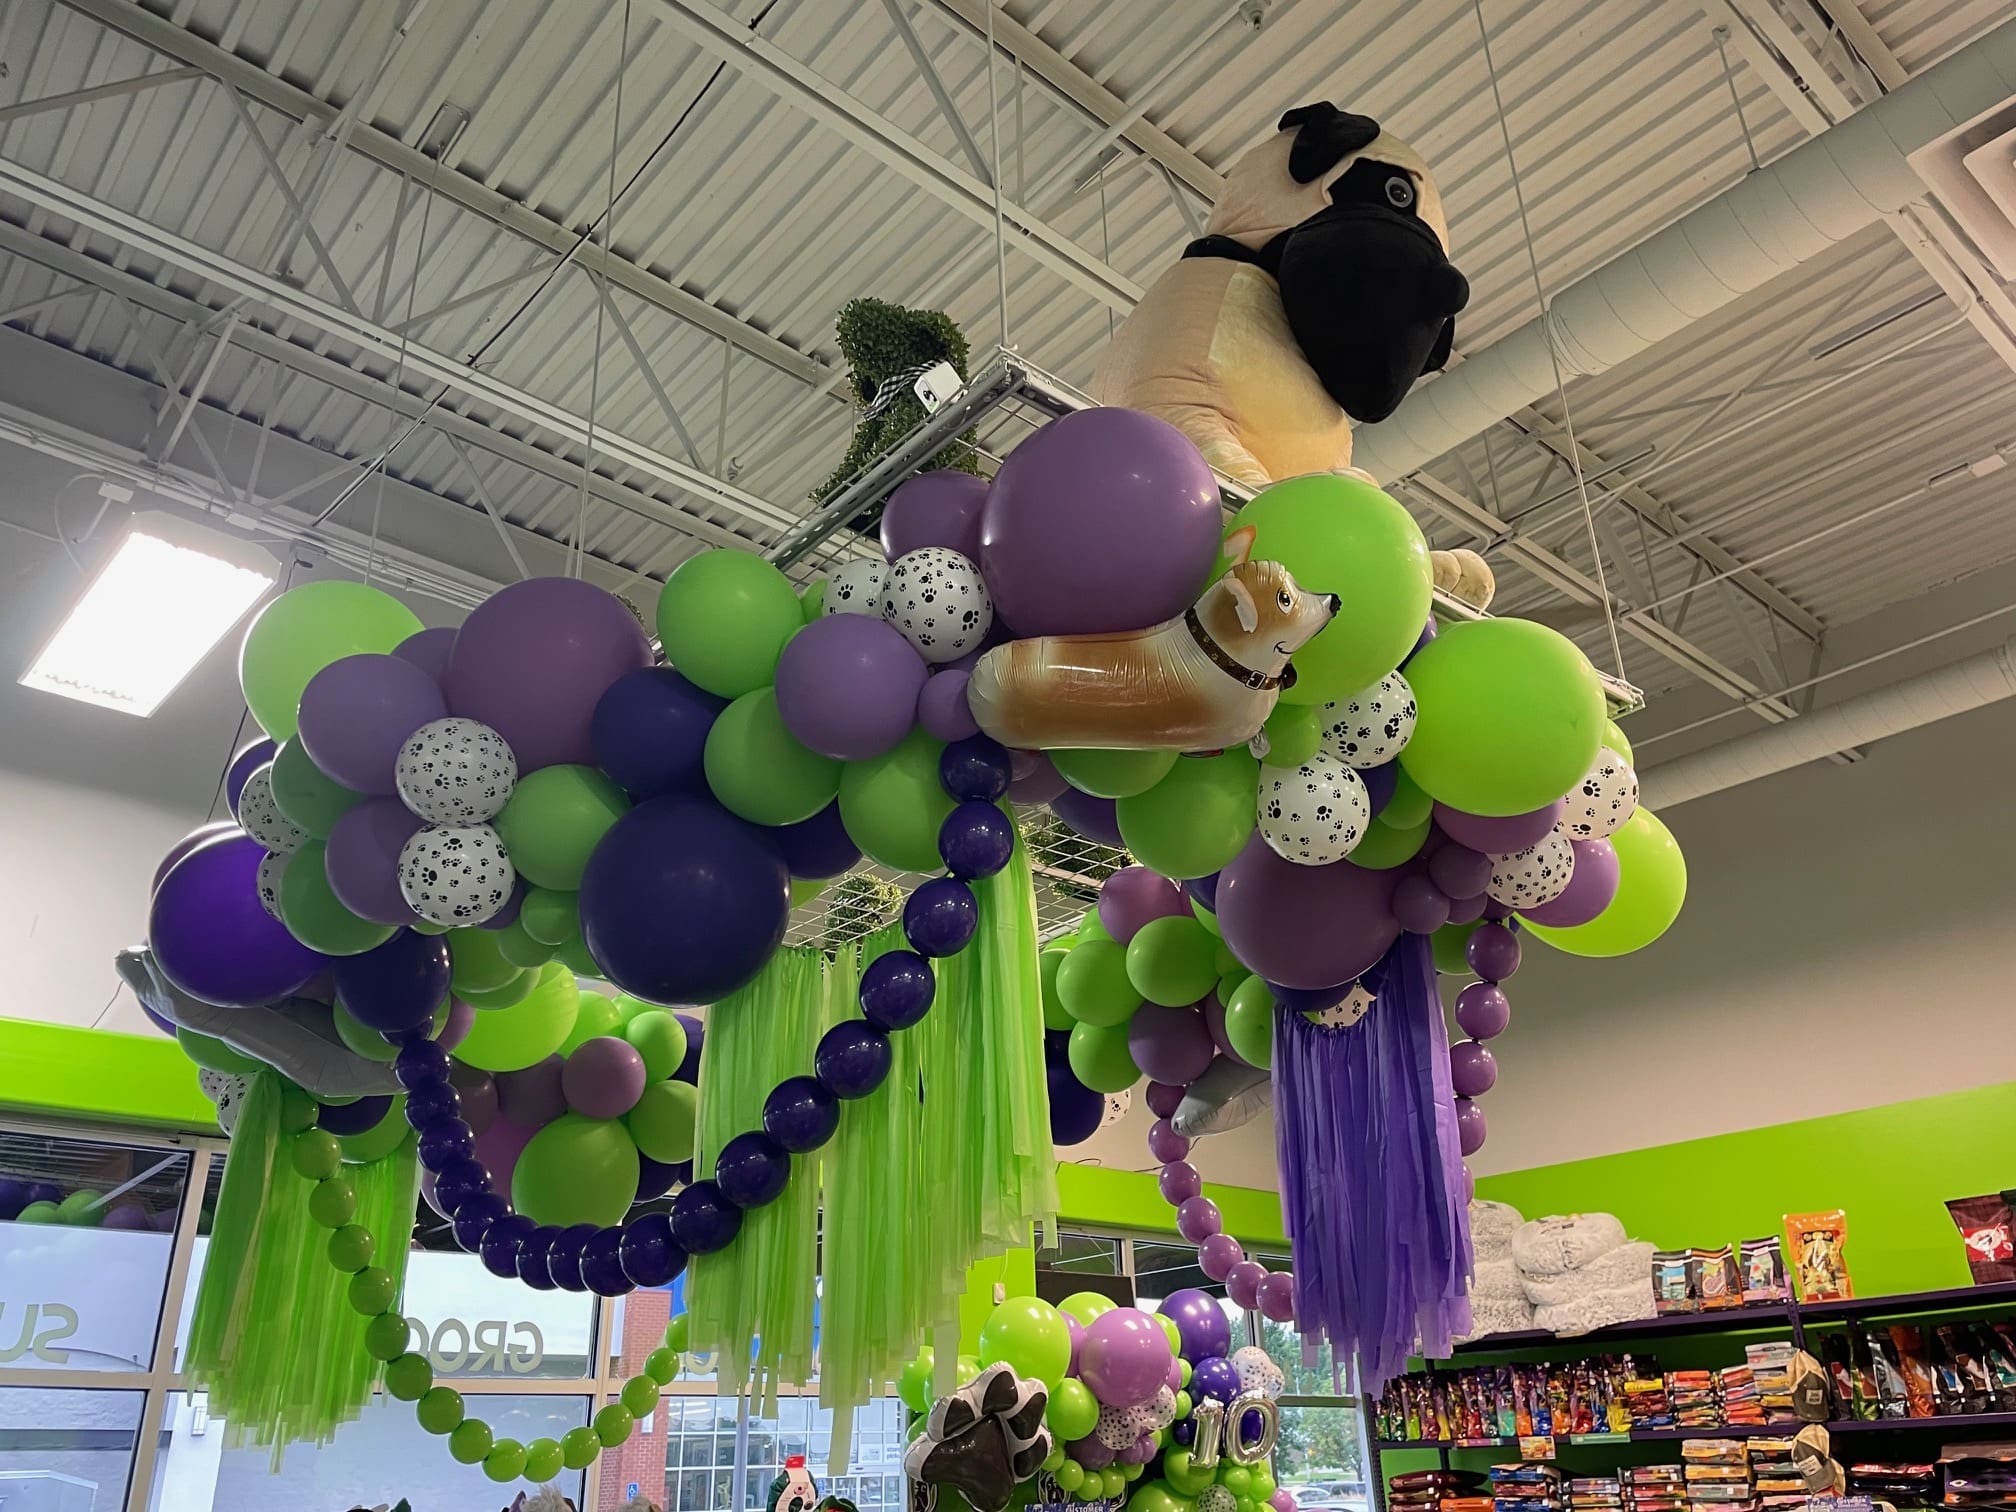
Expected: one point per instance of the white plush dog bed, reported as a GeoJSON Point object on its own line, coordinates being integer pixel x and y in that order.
{"type": "Point", "coordinates": [1549, 1246]}
{"type": "Point", "coordinates": [1627, 1265]}
{"type": "Point", "coordinates": [1492, 1224]}
{"type": "Point", "coordinates": [1598, 1309]}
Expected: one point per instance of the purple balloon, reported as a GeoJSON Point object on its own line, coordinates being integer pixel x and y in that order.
{"type": "Point", "coordinates": [535, 1096]}
{"type": "Point", "coordinates": [166, 1026]}
{"type": "Point", "coordinates": [1483, 1010]}
{"type": "Point", "coordinates": [506, 916]}
{"type": "Point", "coordinates": [818, 847]}
{"type": "Point", "coordinates": [1277, 1297]}
{"type": "Point", "coordinates": [1091, 1453]}
{"type": "Point", "coordinates": [461, 1019]}
{"type": "Point", "coordinates": [1200, 1322]}
{"type": "Point", "coordinates": [1164, 1143]}
{"type": "Point", "coordinates": [1214, 1021]}
{"type": "Point", "coordinates": [1473, 1069]}
{"type": "Point", "coordinates": [976, 839]}
{"type": "Point", "coordinates": [243, 765]}
{"type": "Point", "coordinates": [1589, 891]}
{"type": "Point", "coordinates": [1170, 1044]}
{"type": "Point", "coordinates": [355, 1117]}
{"type": "Point", "coordinates": [1304, 926]}
{"type": "Point", "coordinates": [213, 938]}
{"type": "Point", "coordinates": [1132, 897]}
{"type": "Point", "coordinates": [357, 712]}
{"type": "Point", "coordinates": [1125, 1357]}
{"type": "Point", "coordinates": [1198, 1219]}
{"type": "Point", "coordinates": [1492, 951]}
{"type": "Point", "coordinates": [1428, 632]}
{"type": "Point", "coordinates": [534, 659]}
{"type": "Point", "coordinates": [1419, 905]}
{"type": "Point", "coordinates": [939, 508]}
{"type": "Point", "coordinates": [1105, 519]}
{"type": "Point", "coordinates": [1283, 1500]}
{"type": "Point", "coordinates": [1140, 1451]}
{"type": "Point", "coordinates": [1178, 1181]}
{"type": "Point", "coordinates": [1311, 999]}
{"type": "Point", "coordinates": [847, 686]}
{"type": "Point", "coordinates": [1217, 1255]}
{"type": "Point", "coordinates": [186, 844]}
{"type": "Point", "coordinates": [1498, 837]}
{"type": "Point", "coordinates": [1034, 779]}
{"type": "Point", "coordinates": [395, 986]}
{"type": "Point", "coordinates": [1459, 871]}
{"type": "Point", "coordinates": [1077, 1340]}
{"type": "Point", "coordinates": [362, 859]}
{"type": "Point", "coordinates": [1164, 1099]}
{"type": "Point", "coordinates": [1380, 781]}
{"type": "Point", "coordinates": [1097, 819]}
{"type": "Point", "coordinates": [942, 708]}
{"type": "Point", "coordinates": [655, 1178]}
{"type": "Point", "coordinates": [498, 1148]}
{"type": "Point", "coordinates": [1075, 1109]}
{"type": "Point", "coordinates": [1203, 890]}
{"type": "Point", "coordinates": [1215, 1377]}
{"type": "Point", "coordinates": [126, 1215]}
{"type": "Point", "coordinates": [696, 1036]}
{"type": "Point", "coordinates": [1467, 910]}
{"type": "Point", "coordinates": [939, 916]}
{"type": "Point", "coordinates": [428, 650]}
{"type": "Point", "coordinates": [477, 1089]}
{"type": "Point", "coordinates": [649, 732]}
{"type": "Point", "coordinates": [1242, 1283]}
{"type": "Point", "coordinates": [1470, 1128]}
{"type": "Point", "coordinates": [603, 1078]}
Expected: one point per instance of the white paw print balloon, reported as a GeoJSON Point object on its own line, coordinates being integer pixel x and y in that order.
{"type": "Point", "coordinates": [1258, 1372]}
{"type": "Point", "coordinates": [455, 771]}
{"type": "Point", "coordinates": [1370, 728]}
{"type": "Point", "coordinates": [1357, 1003]}
{"type": "Point", "coordinates": [938, 599]}
{"type": "Point", "coordinates": [1538, 874]}
{"type": "Point", "coordinates": [1606, 796]}
{"type": "Point", "coordinates": [269, 883]}
{"type": "Point", "coordinates": [1162, 1410]}
{"type": "Point", "coordinates": [1315, 814]}
{"type": "Point", "coordinates": [1216, 1499]}
{"type": "Point", "coordinates": [455, 873]}
{"type": "Point", "coordinates": [1117, 1104]}
{"type": "Point", "coordinates": [226, 1091]}
{"type": "Point", "coordinates": [856, 588]}
{"type": "Point", "coordinates": [260, 816]}
{"type": "Point", "coordinates": [1115, 1428]}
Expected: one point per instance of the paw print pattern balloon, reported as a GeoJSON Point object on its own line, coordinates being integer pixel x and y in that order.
{"type": "Point", "coordinates": [1538, 874]}
{"type": "Point", "coordinates": [938, 599]}
{"type": "Point", "coordinates": [1258, 1372]}
{"type": "Point", "coordinates": [1117, 1104]}
{"type": "Point", "coordinates": [1606, 796]}
{"type": "Point", "coordinates": [1216, 1499]}
{"type": "Point", "coordinates": [1115, 1428]}
{"type": "Point", "coordinates": [455, 873]}
{"type": "Point", "coordinates": [1162, 1410]}
{"type": "Point", "coordinates": [269, 883]}
{"type": "Point", "coordinates": [455, 771]}
{"type": "Point", "coordinates": [226, 1091]}
{"type": "Point", "coordinates": [1315, 814]}
{"type": "Point", "coordinates": [856, 588]}
{"type": "Point", "coordinates": [1357, 1003]}
{"type": "Point", "coordinates": [1370, 728]}
{"type": "Point", "coordinates": [260, 816]}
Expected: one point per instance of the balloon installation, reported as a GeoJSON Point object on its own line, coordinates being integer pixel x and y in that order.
{"type": "Point", "coordinates": [478, 878]}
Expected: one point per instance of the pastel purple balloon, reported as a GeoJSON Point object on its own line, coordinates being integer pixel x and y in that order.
{"type": "Point", "coordinates": [1091, 1453]}
{"type": "Point", "coordinates": [428, 650]}
{"type": "Point", "coordinates": [1283, 1500]}
{"type": "Point", "coordinates": [461, 1019]}
{"type": "Point", "coordinates": [1467, 910]}
{"type": "Point", "coordinates": [1242, 1283]}
{"type": "Point", "coordinates": [1469, 1125]}
{"type": "Point", "coordinates": [604, 1076]}
{"type": "Point", "coordinates": [1077, 1341]}
{"type": "Point", "coordinates": [1277, 1297]}
{"type": "Point", "coordinates": [1174, 1380]}
{"type": "Point", "coordinates": [1134, 896]}
{"type": "Point", "coordinates": [1040, 783]}
{"type": "Point", "coordinates": [942, 708]}
{"type": "Point", "coordinates": [1483, 1010]}
{"type": "Point", "coordinates": [126, 1215]}
{"type": "Point", "coordinates": [1164, 1099]}
{"type": "Point", "coordinates": [1419, 905]}
{"type": "Point", "coordinates": [1125, 1357]}
{"type": "Point", "coordinates": [1590, 887]}
{"type": "Point", "coordinates": [1217, 1255]}
{"type": "Point", "coordinates": [1200, 1323]}
{"type": "Point", "coordinates": [1473, 1070]}
{"type": "Point", "coordinates": [1498, 837]}
{"type": "Point", "coordinates": [1492, 951]}
{"type": "Point", "coordinates": [1097, 819]}
{"type": "Point", "coordinates": [498, 1148]}
{"type": "Point", "coordinates": [477, 1089]}
{"type": "Point", "coordinates": [243, 765]}
{"type": "Point", "coordinates": [534, 659]}
{"type": "Point", "coordinates": [213, 938]}
{"type": "Point", "coordinates": [1214, 1021]}
{"type": "Point", "coordinates": [358, 711]}
{"type": "Point", "coordinates": [1170, 1044]}
{"type": "Point", "coordinates": [1140, 1451]}
{"type": "Point", "coordinates": [847, 686]}
{"type": "Point", "coordinates": [940, 508]}
{"type": "Point", "coordinates": [1197, 1219]}
{"type": "Point", "coordinates": [1164, 1143]}
{"type": "Point", "coordinates": [534, 1096]}
{"type": "Point", "coordinates": [1459, 871]}
{"type": "Point", "coordinates": [1178, 1182]}
{"type": "Point", "coordinates": [1305, 926]}
{"type": "Point", "coordinates": [362, 859]}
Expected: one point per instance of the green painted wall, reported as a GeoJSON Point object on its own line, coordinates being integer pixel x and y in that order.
{"type": "Point", "coordinates": [61, 1071]}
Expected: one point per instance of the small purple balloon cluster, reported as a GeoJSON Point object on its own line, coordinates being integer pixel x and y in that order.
{"type": "Point", "coordinates": [799, 1116]}
{"type": "Point", "coordinates": [1219, 1255]}
{"type": "Point", "coordinates": [1482, 1012]}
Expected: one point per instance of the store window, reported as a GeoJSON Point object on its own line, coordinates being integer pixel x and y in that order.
{"type": "Point", "coordinates": [698, 1447]}
{"type": "Point", "coordinates": [67, 1450]}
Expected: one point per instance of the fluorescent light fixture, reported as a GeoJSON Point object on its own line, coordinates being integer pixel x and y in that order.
{"type": "Point", "coordinates": [167, 594]}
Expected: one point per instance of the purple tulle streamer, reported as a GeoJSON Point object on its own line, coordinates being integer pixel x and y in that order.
{"type": "Point", "coordinates": [1371, 1173]}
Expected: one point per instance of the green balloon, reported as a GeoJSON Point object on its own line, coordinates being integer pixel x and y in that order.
{"type": "Point", "coordinates": [1089, 927]}
{"type": "Point", "coordinates": [1171, 961]}
{"type": "Point", "coordinates": [1070, 1476]}
{"type": "Point", "coordinates": [477, 962]}
{"type": "Point", "coordinates": [369, 1043]}
{"type": "Point", "coordinates": [758, 769]}
{"type": "Point", "coordinates": [554, 818]}
{"type": "Point", "coordinates": [807, 889]}
{"type": "Point", "coordinates": [1094, 987]}
{"type": "Point", "coordinates": [662, 1122]}
{"type": "Point", "coordinates": [575, 957]}
{"type": "Point", "coordinates": [37, 1212]}
{"type": "Point", "coordinates": [1383, 847]}
{"type": "Point", "coordinates": [576, 1170]}
{"type": "Point", "coordinates": [470, 1442]}
{"type": "Point", "coordinates": [1408, 806]}
{"type": "Point", "coordinates": [81, 1209]}
{"type": "Point", "coordinates": [1197, 818]}
{"type": "Point", "coordinates": [1185, 1478]}
{"type": "Point", "coordinates": [812, 602]}
{"type": "Point", "coordinates": [1345, 536]}
{"type": "Point", "coordinates": [409, 1377]}
{"type": "Point", "coordinates": [510, 1039]}
{"type": "Point", "coordinates": [594, 1017]}
{"type": "Point", "coordinates": [1223, 960]}
{"type": "Point", "coordinates": [383, 1138]}
{"type": "Point", "coordinates": [1054, 1014]}
{"type": "Point", "coordinates": [214, 1055]}
{"type": "Point", "coordinates": [1263, 1484]}
{"type": "Point", "coordinates": [1613, 737]}
{"type": "Point", "coordinates": [579, 1448]}
{"type": "Point", "coordinates": [613, 1424]}
{"type": "Point", "coordinates": [1112, 774]}
{"type": "Point", "coordinates": [520, 949]}
{"type": "Point", "coordinates": [1029, 1334]}
{"type": "Point", "coordinates": [1073, 1411]}
{"type": "Point", "coordinates": [303, 794]}
{"type": "Point", "coordinates": [510, 995]}
{"type": "Point", "coordinates": [553, 918]}
{"type": "Point", "coordinates": [1651, 886]}
{"type": "Point", "coordinates": [1169, 1328]}
{"type": "Point", "coordinates": [543, 1459]}
{"type": "Point", "coordinates": [892, 806]}
{"type": "Point", "coordinates": [505, 1461]}
{"type": "Point", "coordinates": [304, 630]}
{"type": "Point", "coordinates": [1235, 1478]}
{"type": "Point", "coordinates": [1158, 1496]}
{"type": "Point", "coordinates": [1449, 944]}
{"type": "Point", "coordinates": [723, 619]}
{"type": "Point", "coordinates": [1112, 1481]}
{"type": "Point", "coordinates": [1207, 918]}
{"type": "Point", "coordinates": [913, 1386]}
{"type": "Point", "coordinates": [1230, 983]}
{"type": "Point", "coordinates": [660, 1039]}
{"type": "Point", "coordinates": [1511, 715]}
{"type": "Point", "coordinates": [313, 916]}
{"type": "Point", "coordinates": [1100, 1058]}
{"type": "Point", "coordinates": [1249, 1022]}
{"type": "Point", "coordinates": [440, 1410]}
{"type": "Point", "coordinates": [1085, 1306]}
{"type": "Point", "coordinates": [1293, 733]}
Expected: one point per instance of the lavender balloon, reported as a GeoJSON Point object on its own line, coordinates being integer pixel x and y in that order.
{"type": "Point", "coordinates": [1178, 1182]}
{"type": "Point", "coordinates": [1125, 1357]}
{"type": "Point", "coordinates": [362, 859]}
{"type": "Point", "coordinates": [1459, 871]}
{"type": "Point", "coordinates": [1170, 1044]}
{"type": "Point", "coordinates": [1217, 1256]}
{"type": "Point", "coordinates": [942, 707]}
{"type": "Point", "coordinates": [428, 650]}
{"type": "Point", "coordinates": [1469, 1125]}
{"type": "Point", "coordinates": [1590, 887]}
{"type": "Point", "coordinates": [1036, 780]}
{"type": "Point", "coordinates": [1482, 1010]}
{"type": "Point", "coordinates": [1492, 951]}
{"type": "Point", "coordinates": [939, 508]}
{"type": "Point", "coordinates": [1164, 1099]}
{"type": "Point", "coordinates": [603, 1078]}
{"type": "Point", "coordinates": [1164, 1143]}
{"type": "Point", "coordinates": [358, 711]}
{"type": "Point", "coordinates": [1473, 1070]}
{"type": "Point", "coordinates": [1198, 1219]}
{"type": "Point", "coordinates": [1277, 1297]}
{"type": "Point", "coordinates": [1304, 926]}
{"type": "Point", "coordinates": [1242, 1283]}
{"type": "Point", "coordinates": [1419, 905]}
{"type": "Point", "coordinates": [1498, 837]}
{"type": "Point", "coordinates": [1134, 896]}
{"type": "Point", "coordinates": [847, 686]}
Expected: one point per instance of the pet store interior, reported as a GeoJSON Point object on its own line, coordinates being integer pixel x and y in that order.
{"type": "Point", "coordinates": [962, 755]}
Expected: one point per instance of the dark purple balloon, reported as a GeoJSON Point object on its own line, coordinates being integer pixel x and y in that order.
{"type": "Point", "coordinates": [939, 508]}
{"type": "Point", "coordinates": [457, 1182]}
{"type": "Point", "coordinates": [1200, 1323]}
{"type": "Point", "coordinates": [1496, 911]}
{"type": "Point", "coordinates": [704, 1221]}
{"type": "Point", "coordinates": [1204, 890]}
{"type": "Point", "coordinates": [359, 710]}
{"type": "Point", "coordinates": [1470, 1128]}
{"type": "Point", "coordinates": [166, 1026]}
{"type": "Point", "coordinates": [1075, 1109]}
{"type": "Point", "coordinates": [655, 1177]}
{"type": "Point", "coordinates": [696, 1036]}
{"type": "Point", "coordinates": [1473, 1069]}
{"type": "Point", "coordinates": [1459, 871]}
{"type": "Point", "coordinates": [852, 1059]}
{"type": "Point", "coordinates": [13, 1197]}
{"type": "Point", "coordinates": [800, 1115]}
{"type": "Point", "coordinates": [817, 848]}
{"type": "Point", "coordinates": [441, 1143]}
{"type": "Point", "coordinates": [1483, 1010]}
{"type": "Point", "coordinates": [212, 937]}
{"type": "Point", "coordinates": [1216, 1378]}
{"type": "Point", "coordinates": [1492, 951]}
{"type": "Point", "coordinates": [1428, 632]}
{"type": "Point", "coordinates": [602, 1264]}
{"type": "Point", "coordinates": [1097, 819]}
{"type": "Point", "coordinates": [1590, 888]}
{"type": "Point", "coordinates": [182, 847]}
{"type": "Point", "coordinates": [1039, 783]}
{"type": "Point", "coordinates": [362, 859]}
{"type": "Point", "coordinates": [1310, 999]}
{"type": "Point", "coordinates": [432, 1104]}
{"type": "Point", "coordinates": [1498, 837]}
{"type": "Point", "coordinates": [1419, 905]}
{"type": "Point", "coordinates": [501, 1242]}
{"type": "Point", "coordinates": [753, 1169]}
{"type": "Point", "coordinates": [474, 1217]}
{"type": "Point", "coordinates": [976, 838]}
{"type": "Point", "coordinates": [428, 650]}
{"type": "Point", "coordinates": [395, 986]}
{"type": "Point", "coordinates": [1184, 1433]}
{"type": "Point", "coordinates": [1467, 910]}
{"type": "Point", "coordinates": [1379, 784]}
{"type": "Point", "coordinates": [533, 1096]}
{"type": "Point", "coordinates": [977, 767]}
{"type": "Point", "coordinates": [1163, 1099]}
{"type": "Point", "coordinates": [248, 760]}
{"type": "Point", "coordinates": [649, 732]}
{"type": "Point", "coordinates": [897, 989]}
{"type": "Point", "coordinates": [421, 1063]}
{"type": "Point", "coordinates": [939, 917]}
{"type": "Point", "coordinates": [356, 1117]}
{"type": "Point", "coordinates": [563, 1256]}
{"type": "Point", "coordinates": [534, 1257]}
{"type": "Point", "coordinates": [1305, 926]}
{"type": "Point", "coordinates": [648, 1253]}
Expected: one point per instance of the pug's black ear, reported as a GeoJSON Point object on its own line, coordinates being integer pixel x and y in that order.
{"type": "Point", "coordinates": [1324, 137]}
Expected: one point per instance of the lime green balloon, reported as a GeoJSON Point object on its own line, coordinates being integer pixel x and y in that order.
{"type": "Point", "coordinates": [613, 1424]}
{"type": "Point", "coordinates": [1613, 737]}
{"type": "Point", "coordinates": [1175, 1334]}
{"type": "Point", "coordinates": [678, 1332]}
{"type": "Point", "coordinates": [1185, 1478]}
{"type": "Point", "coordinates": [385, 1336]}
{"type": "Point", "coordinates": [1085, 1306]}
{"type": "Point", "coordinates": [1158, 1496]}
{"type": "Point", "coordinates": [1029, 1334]}
{"type": "Point", "coordinates": [82, 1209]}
{"type": "Point", "coordinates": [552, 918]}
{"type": "Point", "coordinates": [662, 1122]}
{"type": "Point", "coordinates": [1231, 982]}
{"type": "Point", "coordinates": [214, 1055]}
{"type": "Point", "coordinates": [1511, 714]}
{"type": "Point", "coordinates": [1207, 918]}
{"type": "Point", "coordinates": [505, 1461]}
{"type": "Point", "coordinates": [543, 1460]}
{"type": "Point", "coordinates": [470, 1442]}
{"type": "Point", "coordinates": [369, 1043]}
{"type": "Point", "coordinates": [1070, 1476]}
{"type": "Point", "coordinates": [304, 630]}
{"type": "Point", "coordinates": [313, 916]}
{"type": "Point", "coordinates": [1172, 961]}
{"type": "Point", "coordinates": [628, 1007]}
{"type": "Point", "coordinates": [315, 1154]}
{"type": "Point", "coordinates": [510, 995]}
{"type": "Point", "coordinates": [1073, 1411]}
{"type": "Point", "coordinates": [383, 1138]}
{"type": "Point", "coordinates": [1263, 1484]}
{"type": "Point", "coordinates": [409, 1377]}
{"type": "Point", "coordinates": [812, 602]}
{"type": "Point", "coordinates": [1089, 927]}
{"type": "Point", "coordinates": [576, 1170]}
{"type": "Point", "coordinates": [1345, 536]}
{"type": "Point", "coordinates": [1223, 960]}
{"type": "Point", "coordinates": [1112, 1481]}
{"type": "Point", "coordinates": [808, 889]}
{"type": "Point", "coordinates": [1054, 1014]}
{"type": "Point", "coordinates": [660, 1039]}
{"type": "Point", "coordinates": [1293, 732]}
{"type": "Point", "coordinates": [37, 1212]}
{"type": "Point", "coordinates": [518, 946]}
{"type": "Point", "coordinates": [440, 1410]}
{"type": "Point", "coordinates": [892, 806]}
{"type": "Point", "coordinates": [758, 769]}
{"type": "Point", "coordinates": [640, 1395]}
{"type": "Point", "coordinates": [1100, 1058]}
{"type": "Point", "coordinates": [723, 619]}
{"type": "Point", "coordinates": [510, 1039]}
{"type": "Point", "coordinates": [477, 962]}
{"type": "Point", "coordinates": [1409, 805]}
{"type": "Point", "coordinates": [1651, 887]}
{"type": "Point", "coordinates": [303, 794]}
{"type": "Point", "coordinates": [1112, 774]}
{"type": "Point", "coordinates": [913, 1386]}
{"type": "Point", "coordinates": [1235, 1478]}
{"type": "Point", "coordinates": [1450, 943]}
{"type": "Point", "coordinates": [1249, 1022]}
{"type": "Point", "coordinates": [580, 1447]}
{"type": "Point", "coordinates": [1094, 987]}
{"type": "Point", "coordinates": [1197, 818]}
{"type": "Point", "coordinates": [1383, 846]}
{"type": "Point", "coordinates": [554, 818]}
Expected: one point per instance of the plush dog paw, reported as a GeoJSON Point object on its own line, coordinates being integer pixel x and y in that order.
{"type": "Point", "coordinates": [983, 1439]}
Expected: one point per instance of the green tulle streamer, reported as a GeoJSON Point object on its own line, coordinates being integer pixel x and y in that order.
{"type": "Point", "coordinates": [274, 1339]}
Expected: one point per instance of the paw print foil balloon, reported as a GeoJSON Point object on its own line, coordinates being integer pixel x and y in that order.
{"type": "Point", "coordinates": [938, 599]}
{"type": "Point", "coordinates": [455, 771]}
{"type": "Point", "coordinates": [1598, 805]}
{"type": "Point", "coordinates": [455, 873]}
{"type": "Point", "coordinates": [1315, 814]}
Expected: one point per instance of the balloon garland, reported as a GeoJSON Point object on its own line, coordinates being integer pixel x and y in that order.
{"type": "Point", "coordinates": [1220, 1256]}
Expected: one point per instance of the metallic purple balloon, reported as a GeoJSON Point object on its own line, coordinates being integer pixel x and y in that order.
{"type": "Point", "coordinates": [428, 650]}
{"type": "Point", "coordinates": [1134, 896]}
{"type": "Point", "coordinates": [1242, 1283]}
{"type": "Point", "coordinates": [1469, 1125]}
{"type": "Point", "coordinates": [1216, 1378]}
{"type": "Point", "coordinates": [1483, 1010]}
{"type": "Point", "coordinates": [1198, 1219]}
{"type": "Point", "coordinates": [1420, 906]}
{"type": "Point", "coordinates": [1277, 1297]}
{"type": "Point", "coordinates": [1459, 871]}
{"type": "Point", "coordinates": [1498, 837]}
{"type": "Point", "coordinates": [1305, 926]}
{"type": "Point", "coordinates": [1473, 1070]}
{"type": "Point", "coordinates": [362, 859]}
{"type": "Point", "coordinates": [213, 938]}
{"type": "Point", "coordinates": [940, 508]}
{"type": "Point", "coordinates": [847, 686]}
{"type": "Point", "coordinates": [942, 708]}
{"type": "Point", "coordinates": [1200, 1323]}
{"type": "Point", "coordinates": [1217, 1255]}
{"type": "Point", "coordinates": [358, 711]}
{"type": "Point", "coordinates": [1170, 1044]}
{"type": "Point", "coordinates": [1492, 951]}
{"type": "Point", "coordinates": [243, 765]}
{"type": "Point", "coordinates": [1589, 890]}
{"type": "Point", "coordinates": [603, 1078]}
{"type": "Point", "coordinates": [1178, 1182]}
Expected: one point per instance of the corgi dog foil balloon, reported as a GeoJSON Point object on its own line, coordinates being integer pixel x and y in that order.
{"type": "Point", "coordinates": [1204, 681]}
